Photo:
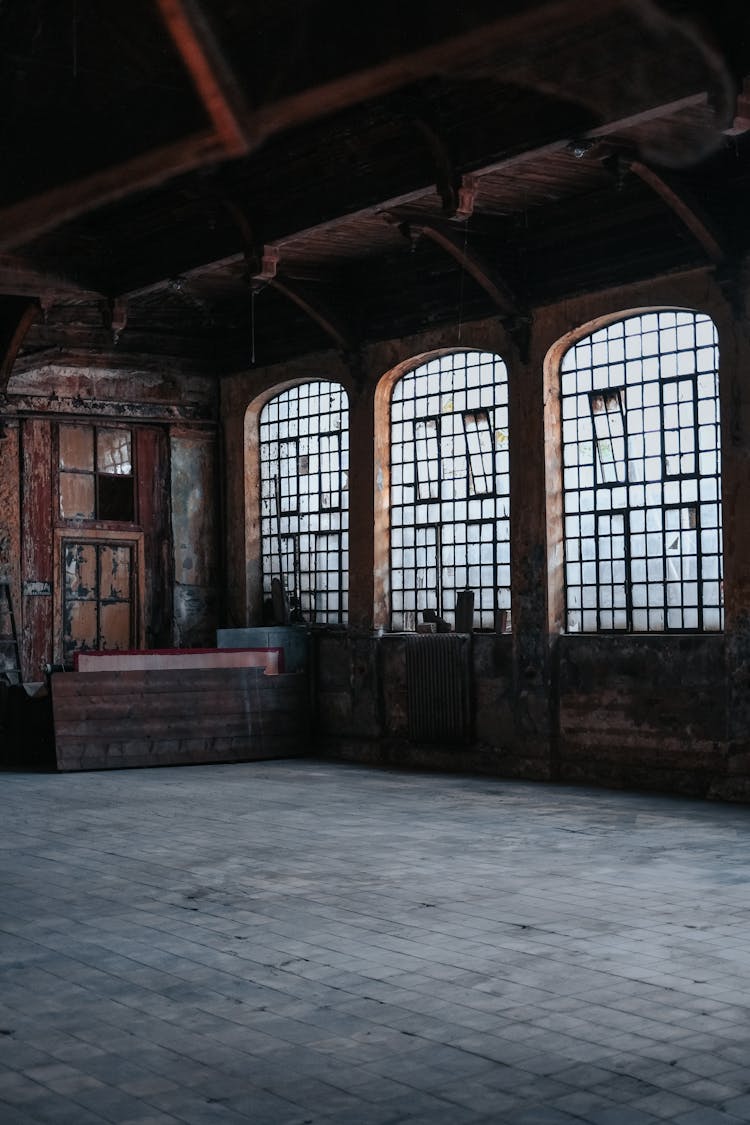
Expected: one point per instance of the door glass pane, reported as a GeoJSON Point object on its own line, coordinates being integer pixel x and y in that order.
{"type": "Point", "coordinates": [80, 571]}
{"type": "Point", "coordinates": [98, 597]}
{"type": "Point", "coordinates": [114, 569]}
{"type": "Point", "coordinates": [79, 627]}
{"type": "Point", "coordinates": [114, 625]}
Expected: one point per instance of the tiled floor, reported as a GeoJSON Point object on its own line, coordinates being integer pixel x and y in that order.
{"type": "Point", "coordinates": [291, 942]}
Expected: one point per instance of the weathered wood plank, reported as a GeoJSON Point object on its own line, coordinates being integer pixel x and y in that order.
{"type": "Point", "coordinates": [165, 680]}
{"type": "Point", "coordinates": [107, 720]}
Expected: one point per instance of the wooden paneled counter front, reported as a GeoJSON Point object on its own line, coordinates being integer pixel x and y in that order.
{"type": "Point", "coordinates": [177, 716]}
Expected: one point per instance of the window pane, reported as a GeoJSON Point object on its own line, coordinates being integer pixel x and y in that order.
{"type": "Point", "coordinates": [449, 474]}
{"type": "Point", "coordinates": [646, 563]}
{"type": "Point", "coordinates": [77, 448]}
{"type": "Point", "coordinates": [304, 463]}
{"type": "Point", "coordinates": [116, 498]}
{"type": "Point", "coordinates": [113, 452]}
{"type": "Point", "coordinates": [77, 496]}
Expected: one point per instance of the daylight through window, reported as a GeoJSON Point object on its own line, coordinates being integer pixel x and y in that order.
{"type": "Point", "coordinates": [641, 476]}
{"type": "Point", "coordinates": [304, 463]}
{"type": "Point", "coordinates": [450, 490]}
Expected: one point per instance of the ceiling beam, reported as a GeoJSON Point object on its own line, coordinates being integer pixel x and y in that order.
{"type": "Point", "coordinates": [21, 223]}
{"type": "Point", "coordinates": [455, 243]}
{"type": "Point", "coordinates": [678, 200]}
{"type": "Point", "coordinates": [317, 310]}
{"type": "Point", "coordinates": [217, 86]}
{"type": "Point", "coordinates": [741, 122]}
{"type": "Point", "coordinates": [20, 278]}
{"type": "Point", "coordinates": [491, 47]}
{"type": "Point", "coordinates": [16, 318]}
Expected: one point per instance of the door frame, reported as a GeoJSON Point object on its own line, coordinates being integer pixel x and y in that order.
{"type": "Point", "coordinates": [116, 537]}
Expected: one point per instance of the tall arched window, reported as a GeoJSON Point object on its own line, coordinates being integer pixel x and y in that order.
{"type": "Point", "coordinates": [641, 476]}
{"type": "Point", "coordinates": [304, 466]}
{"type": "Point", "coordinates": [450, 490]}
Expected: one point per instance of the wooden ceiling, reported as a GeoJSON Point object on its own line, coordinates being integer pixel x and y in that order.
{"type": "Point", "coordinates": [174, 170]}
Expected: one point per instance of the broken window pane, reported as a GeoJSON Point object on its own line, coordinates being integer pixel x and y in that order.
{"type": "Point", "coordinates": [101, 489]}
{"type": "Point", "coordinates": [480, 453]}
{"type": "Point", "coordinates": [609, 431]}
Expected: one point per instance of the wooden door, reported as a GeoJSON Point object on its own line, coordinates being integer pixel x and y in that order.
{"type": "Point", "coordinates": [99, 595]}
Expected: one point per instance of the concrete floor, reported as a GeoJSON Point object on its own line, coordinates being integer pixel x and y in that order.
{"type": "Point", "coordinates": [296, 942]}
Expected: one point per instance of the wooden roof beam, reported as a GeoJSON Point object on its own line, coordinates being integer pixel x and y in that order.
{"type": "Point", "coordinates": [19, 278]}
{"type": "Point", "coordinates": [455, 243]}
{"type": "Point", "coordinates": [217, 86]}
{"type": "Point", "coordinates": [16, 318]}
{"type": "Point", "coordinates": [266, 273]}
{"type": "Point", "coordinates": [317, 310]}
{"type": "Point", "coordinates": [677, 198]}
{"type": "Point", "coordinates": [22, 222]}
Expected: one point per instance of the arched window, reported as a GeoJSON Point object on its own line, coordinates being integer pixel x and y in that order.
{"type": "Point", "coordinates": [304, 465]}
{"type": "Point", "coordinates": [449, 485]}
{"type": "Point", "coordinates": [641, 476]}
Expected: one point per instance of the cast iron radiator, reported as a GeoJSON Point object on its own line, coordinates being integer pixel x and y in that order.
{"type": "Point", "coordinates": [438, 687]}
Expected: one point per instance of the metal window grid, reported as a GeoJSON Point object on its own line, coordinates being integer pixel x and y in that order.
{"type": "Point", "coordinates": [304, 465]}
{"type": "Point", "coordinates": [450, 527]}
{"type": "Point", "coordinates": [642, 477]}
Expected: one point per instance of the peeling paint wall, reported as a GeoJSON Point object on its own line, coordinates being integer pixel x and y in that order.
{"type": "Point", "coordinates": [151, 405]}
{"type": "Point", "coordinates": [10, 533]}
{"type": "Point", "coordinates": [195, 528]}
{"type": "Point", "coordinates": [37, 554]}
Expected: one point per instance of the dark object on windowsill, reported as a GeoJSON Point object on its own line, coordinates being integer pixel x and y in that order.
{"type": "Point", "coordinates": [429, 616]}
{"type": "Point", "coordinates": [296, 616]}
{"type": "Point", "coordinates": [465, 611]}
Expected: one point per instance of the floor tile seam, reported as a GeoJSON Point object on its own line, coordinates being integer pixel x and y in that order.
{"type": "Point", "coordinates": [190, 964]}
{"type": "Point", "coordinates": [139, 966]}
{"type": "Point", "coordinates": [147, 1038]}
